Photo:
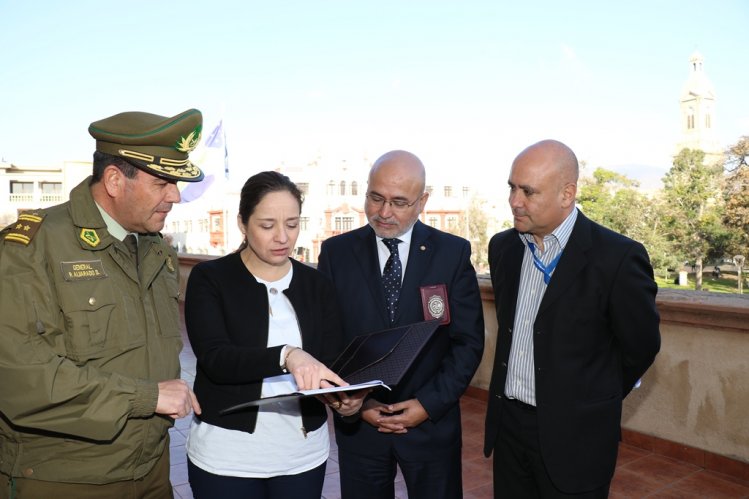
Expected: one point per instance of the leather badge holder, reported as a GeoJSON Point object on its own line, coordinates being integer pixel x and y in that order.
{"type": "Point", "coordinates": [434, 303]}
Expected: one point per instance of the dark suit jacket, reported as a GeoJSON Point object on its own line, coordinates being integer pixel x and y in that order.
{"type": "Point", "coordinates": [445, 368]}
{"type": "Point", "coordinates": [595, 334]}
{"type": "Point", "coordinates": [226, 313]}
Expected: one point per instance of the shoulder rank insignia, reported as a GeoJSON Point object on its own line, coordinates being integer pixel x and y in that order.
{"type": "Point", "coordinates": [23, 230]}
{"type": "Point", "coordinates": [90, 237]}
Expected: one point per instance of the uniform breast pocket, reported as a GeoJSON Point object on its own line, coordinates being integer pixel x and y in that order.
{"type": "Point", "coordinates": [166, 298]}
{"type": "Point", "coordinates": [91, 317]}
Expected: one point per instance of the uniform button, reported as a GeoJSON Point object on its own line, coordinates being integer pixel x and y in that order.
{"type": "Point", "coordinates": [92, 301]}
{"type": "Point", "coordinates": [28, 472]}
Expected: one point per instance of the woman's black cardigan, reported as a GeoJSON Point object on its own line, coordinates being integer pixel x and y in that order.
{"type": "Point", "coordinates": [226, 314]}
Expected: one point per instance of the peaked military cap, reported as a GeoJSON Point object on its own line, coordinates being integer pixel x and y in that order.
{"type": "Point", "coordinates": [156, 144]}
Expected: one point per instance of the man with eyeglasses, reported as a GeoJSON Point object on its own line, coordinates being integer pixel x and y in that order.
{"type": "Point", "coordinates": [392, 272]}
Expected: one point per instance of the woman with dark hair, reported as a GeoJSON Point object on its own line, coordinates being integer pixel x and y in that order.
{"type": "Point", "coordinates": [258, 322]}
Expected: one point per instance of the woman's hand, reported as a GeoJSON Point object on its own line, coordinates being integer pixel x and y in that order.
{"type": "Point", "coordinates": [309, 372]}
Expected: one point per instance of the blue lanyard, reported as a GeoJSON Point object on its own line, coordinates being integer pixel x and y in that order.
{"type": "Point", "coordinates": [545, 269]}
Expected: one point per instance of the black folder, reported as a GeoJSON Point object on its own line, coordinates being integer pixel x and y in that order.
{"type": "Point", "coordinates": [370, 360]}
{"type": "Point", "coordinates": [384, 355]}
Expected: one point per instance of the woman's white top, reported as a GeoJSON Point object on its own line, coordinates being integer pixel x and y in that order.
{"type": "Point", "coordinates": [279, 444]}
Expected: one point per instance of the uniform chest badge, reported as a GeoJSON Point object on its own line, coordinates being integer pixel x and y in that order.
{"type": "Point", "coordinates": [434, 303]}
{"type": "Point", "coordinates": [90, 237]}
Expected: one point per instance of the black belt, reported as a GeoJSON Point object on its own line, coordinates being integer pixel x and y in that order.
{"type": "Point", "coordinates": [520, 404]}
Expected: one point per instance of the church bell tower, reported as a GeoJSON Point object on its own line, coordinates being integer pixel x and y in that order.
{"type": "Point", "coordinates": [697, 105]}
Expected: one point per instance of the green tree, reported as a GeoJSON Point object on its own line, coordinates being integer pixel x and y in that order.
{"type": "Point", "coordinates": [473, 226]}
{"type": "Point", "coordinates": [736, 197]}
{"type": "Point", "coordinates": [613, 200]}
{"type": "Point", "coordinates": [737, 156]}
{"type": "Point", "coordinates": [692, 218]}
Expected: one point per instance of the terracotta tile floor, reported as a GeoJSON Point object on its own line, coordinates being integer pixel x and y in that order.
{"type": "Point", "coordinates": [639, 473]}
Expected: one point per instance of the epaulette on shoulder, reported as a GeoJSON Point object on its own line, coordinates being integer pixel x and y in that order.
{"type": "Point", "coordinates": [23, 230]}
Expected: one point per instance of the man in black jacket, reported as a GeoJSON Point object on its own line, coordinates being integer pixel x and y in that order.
{"type": "Point", "coordinates": [578, 326]}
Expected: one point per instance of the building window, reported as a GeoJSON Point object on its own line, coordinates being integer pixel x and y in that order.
{"type": "Point", "coordinates": [343, 187]}
{"type": "Point", "coordinates": [21, 187]}
{"type": "Point", "coordinates": [448, 191]}
{"type": "Point", "coordinates": [188, 226]}
{"type": "Point", "coordinates": [354, 188]}
{"type": "Point", "coordinates": [707, 120]}
{"type": "Point", "coordinates": [429, 189]}
{"type": "Point", "coordinates": [466, 191]}
{"type": "Point", "coordinates": [21, 192]}
{"type": "Point", "coordinates": [432, 221]}
{"type": "Point", "coordinates": [452, 222]}
{"type": "Point", "coordinates": [690, 119]}
{"type": "Point", "coordinates": [331, 188]}
{"type": "Point", "coordinates": [51, 191]}
{"type": "Point", "coordinates": [51, 187]}
{"type": "Point", "coordinates": [303, 223]}
{"type": "Point", "coordinates": [303, 187]}
{"type": "Point", "coordinates": [215, 223]}
{"type": "Point", "coordinates": [343, 223]}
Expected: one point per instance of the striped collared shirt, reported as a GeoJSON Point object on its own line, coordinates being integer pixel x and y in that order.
{"type": "Point", "coordinates": [521, 379]}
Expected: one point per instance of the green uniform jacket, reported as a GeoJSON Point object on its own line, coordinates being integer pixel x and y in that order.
{"type": "Point", "coordinates": [83, 343]}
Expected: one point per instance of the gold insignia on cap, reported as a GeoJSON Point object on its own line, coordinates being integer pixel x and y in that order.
{"type": "Point", "coordinates": [24, 229]}
{"type": "Point", "coordinates": [90, 237]}
{"type": "Point", "coordinates": [187, 144]}
{"type": "Point", "coordinates": [159, 145]}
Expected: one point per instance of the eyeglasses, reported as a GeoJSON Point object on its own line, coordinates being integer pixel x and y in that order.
{"type": "Point", "coordinates": [395, 204]}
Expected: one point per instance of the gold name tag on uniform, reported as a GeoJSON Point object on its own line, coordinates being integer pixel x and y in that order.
{"type": "Point", "coordinates": [83, 271]}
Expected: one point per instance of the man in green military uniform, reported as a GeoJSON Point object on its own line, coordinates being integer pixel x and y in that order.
{"type": "Point", "coordinates": [89, 323]}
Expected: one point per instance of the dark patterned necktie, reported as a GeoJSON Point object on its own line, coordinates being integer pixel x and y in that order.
{"type": "Point", "coordinates": [132, 244]}
{"type": "Point", "coordinates": [391, 277]}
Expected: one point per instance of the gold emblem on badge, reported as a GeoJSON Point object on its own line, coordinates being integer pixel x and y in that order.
{"type": "Point", "coordinates": [90, 237]}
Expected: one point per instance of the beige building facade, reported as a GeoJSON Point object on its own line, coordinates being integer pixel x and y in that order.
{"type": "Point", "coordinates": [24, 188]}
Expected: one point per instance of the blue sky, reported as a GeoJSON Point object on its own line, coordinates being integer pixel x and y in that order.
{"type": "Point", "coordinates": [464, 84]}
